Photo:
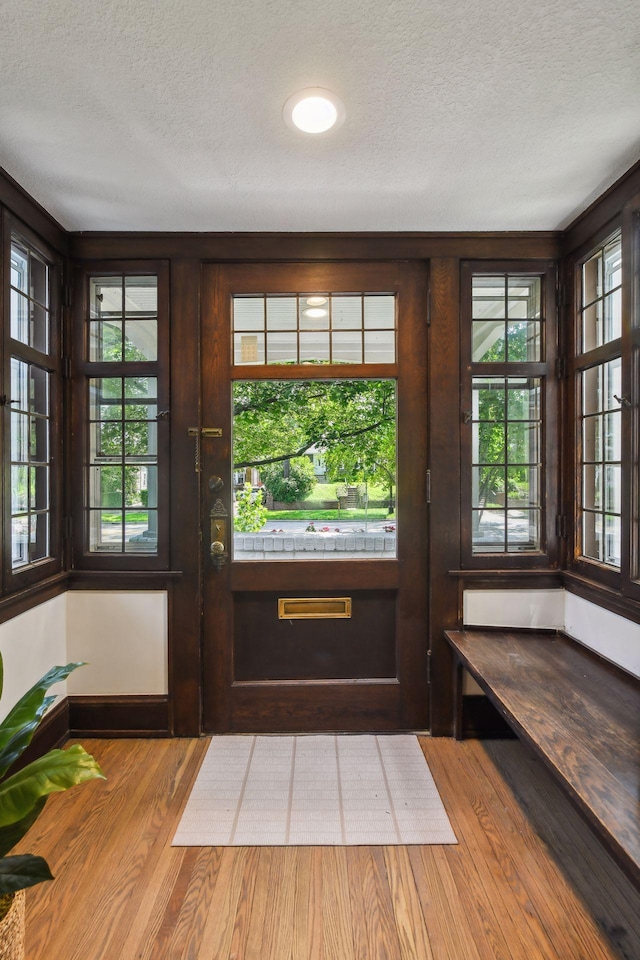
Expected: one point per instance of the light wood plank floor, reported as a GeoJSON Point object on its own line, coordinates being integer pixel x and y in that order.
{"type": "Point", "coordinates": [527, 881]}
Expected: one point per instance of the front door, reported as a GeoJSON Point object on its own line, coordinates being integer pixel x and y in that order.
{"type": "Point", "coordinates": [315, 579]}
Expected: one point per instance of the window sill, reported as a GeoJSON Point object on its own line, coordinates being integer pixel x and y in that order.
{"type": "Point", "coordinates": [27, 597]}
{"type": "Point", "coordinates": [536, 578]}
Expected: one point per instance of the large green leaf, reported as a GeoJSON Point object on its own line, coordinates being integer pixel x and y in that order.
{"type": "Point", "coordinates": [17, 739]}
{"type": "Point", "coordinates": [14, 832]}
{"type": "Point", "coordinates": [22, 871]}
{"type": "Point", "coordinates": [18, 727]}
{"type": "Point", "coordinates": [1, 675]}
{"type": "Point", "coordinates": [56, 771]}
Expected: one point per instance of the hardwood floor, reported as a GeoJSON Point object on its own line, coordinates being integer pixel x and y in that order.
{"type": "Point", "coordinates": [527, 881]}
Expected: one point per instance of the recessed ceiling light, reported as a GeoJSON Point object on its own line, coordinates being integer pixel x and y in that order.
{"type": "Point", "coordinates": [316, 301]}
{"type": "Point", "coordinates": [315, 312]}
{"type": "Point", "coordinates": [314, 110]}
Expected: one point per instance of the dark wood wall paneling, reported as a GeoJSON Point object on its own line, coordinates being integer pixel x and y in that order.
{"type": "Point", "coordinates": [24, 210]}
{"type": "Point", "coordinates": [265, 247]}
{"type": "Point", "coordinates": [444, 463]}
{"type": "Point", "coordinates": [15, 199]}
{"type": "Point", "coordinates": [185, 611]}
{"type": "Point", "coordinates": [606, 209]}
{"type": "Point", "coordinates": [181, 713]}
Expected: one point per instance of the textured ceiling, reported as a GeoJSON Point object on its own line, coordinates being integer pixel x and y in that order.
{"type": "Point", "coordinates": [461, 114]}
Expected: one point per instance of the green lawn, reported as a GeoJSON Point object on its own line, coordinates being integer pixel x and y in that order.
{"type": "Point", "coordinates": [375, 513]}
{"type": "Point", "coordinates": [130, 517]}
{"type": "Point", "coordinates": [327, 491]}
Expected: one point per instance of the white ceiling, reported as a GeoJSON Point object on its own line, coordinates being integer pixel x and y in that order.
{"type": "Point", "coordinates": [461, 114]}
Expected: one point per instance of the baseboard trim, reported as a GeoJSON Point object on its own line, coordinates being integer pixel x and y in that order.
{"type": "Point", "coordinates": [481, 720]}
{"type": "Point", "coordinates": [119, 716]}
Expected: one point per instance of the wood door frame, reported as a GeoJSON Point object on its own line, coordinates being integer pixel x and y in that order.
{"type": "Point", "coordinates": [362, 704]}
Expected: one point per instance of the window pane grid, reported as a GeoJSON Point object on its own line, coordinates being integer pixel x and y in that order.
{"type": "Point", "coordinates": [122, 508]}
{"type": "Point", "coordinates": [601, 472]}
{"type": "Point", "coordinates": [506, 464]}
{"type": "Point", "coordinates": [507, 321]}
{"type": "Point", "coordinates": [30, 426]}
{"type": "Point", "coordinates": [123, 459]}
{"type": "Point", "coordinates": [29, 296]}
{"type": "Point", "coordinates": [314, 328]}
{"type": "Point", "coordinates": [123, 319]}
{"type": "Point", "coordinates": [601, 296]}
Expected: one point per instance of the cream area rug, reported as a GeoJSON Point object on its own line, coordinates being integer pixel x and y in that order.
{"type": "Point", "coordinates": [314, 791]}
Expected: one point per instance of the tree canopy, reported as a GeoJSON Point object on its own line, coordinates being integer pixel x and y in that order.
{"type": "Point", "coordinates": [352, 422]}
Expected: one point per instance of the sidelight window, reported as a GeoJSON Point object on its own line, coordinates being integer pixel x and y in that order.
{"type": "Point", "coordinates": [31, 402]}
{"type": "Point", "coordinates": [508, 413]}
{"type": "Point", "coordinates": [600, 399]}
{"type": "Point", "coordinates": [506, 480]}
{"type": "Point", "coordinates": [123, 464]}
{"type": "Point", "coordinates": [123, 376]}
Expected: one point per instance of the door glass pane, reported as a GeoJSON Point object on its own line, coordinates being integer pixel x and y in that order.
{"type": "Point", "coordinates": [379, 346]}
{"type": "Point", "coordinates": [281, 313]}
{"type": "Point", "coordinates": [314, 473]}
{"type": "Point", "coordinates": [379, 313]}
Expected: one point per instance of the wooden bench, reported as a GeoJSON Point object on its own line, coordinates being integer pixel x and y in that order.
{"type": "Point", "coordinates": [580, 714]}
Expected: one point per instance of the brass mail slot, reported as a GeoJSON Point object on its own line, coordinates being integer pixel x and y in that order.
{"type": "Point", "coordinates": [314, 608]}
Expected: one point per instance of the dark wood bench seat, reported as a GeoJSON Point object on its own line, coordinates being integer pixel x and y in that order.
{"type": "Point", "coordinates": [578, 712]}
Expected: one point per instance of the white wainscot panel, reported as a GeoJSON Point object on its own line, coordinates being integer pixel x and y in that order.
{"type": "Point", "coordinates": [31, 644]}
{"type": "Point", "coordinates": [608, 634]}
{"type": "Point", "coordinates": [541, 609]}
{"type": "Point", "coordinates": [123, 638]}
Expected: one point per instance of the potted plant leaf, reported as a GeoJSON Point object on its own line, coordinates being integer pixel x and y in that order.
{"type": "Point", "coordinates": [22, 798]}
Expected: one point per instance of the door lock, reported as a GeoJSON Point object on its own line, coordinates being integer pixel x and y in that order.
{"type": "Point", "coordinates": [219, 523]}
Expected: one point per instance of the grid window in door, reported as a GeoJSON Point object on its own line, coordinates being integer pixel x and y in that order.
{"type": "Point", "coordinates": [314, 328]}
{"type": "Point", "coordinates": [315, 469]}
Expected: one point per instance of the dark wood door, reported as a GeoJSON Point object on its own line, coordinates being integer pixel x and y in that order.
{"type": "Point", "coordinates": [265, 671]}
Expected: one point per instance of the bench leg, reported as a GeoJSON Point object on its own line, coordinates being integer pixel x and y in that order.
{"type": "Point", "coordinates": [457, 700]}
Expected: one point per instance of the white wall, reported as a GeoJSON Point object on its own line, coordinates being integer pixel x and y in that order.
{"type": "Point", "coordinates": [609, 634]}
{"type": "Point", "coordinates": [123, 636]}
{"type": "Point", "coordinates": [514, 608]}
{"type": "Point", "coordinates": [31, 644]}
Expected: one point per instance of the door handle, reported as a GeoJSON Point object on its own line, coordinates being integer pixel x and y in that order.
{"type": "Point", "coordinates": [219, 519]}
